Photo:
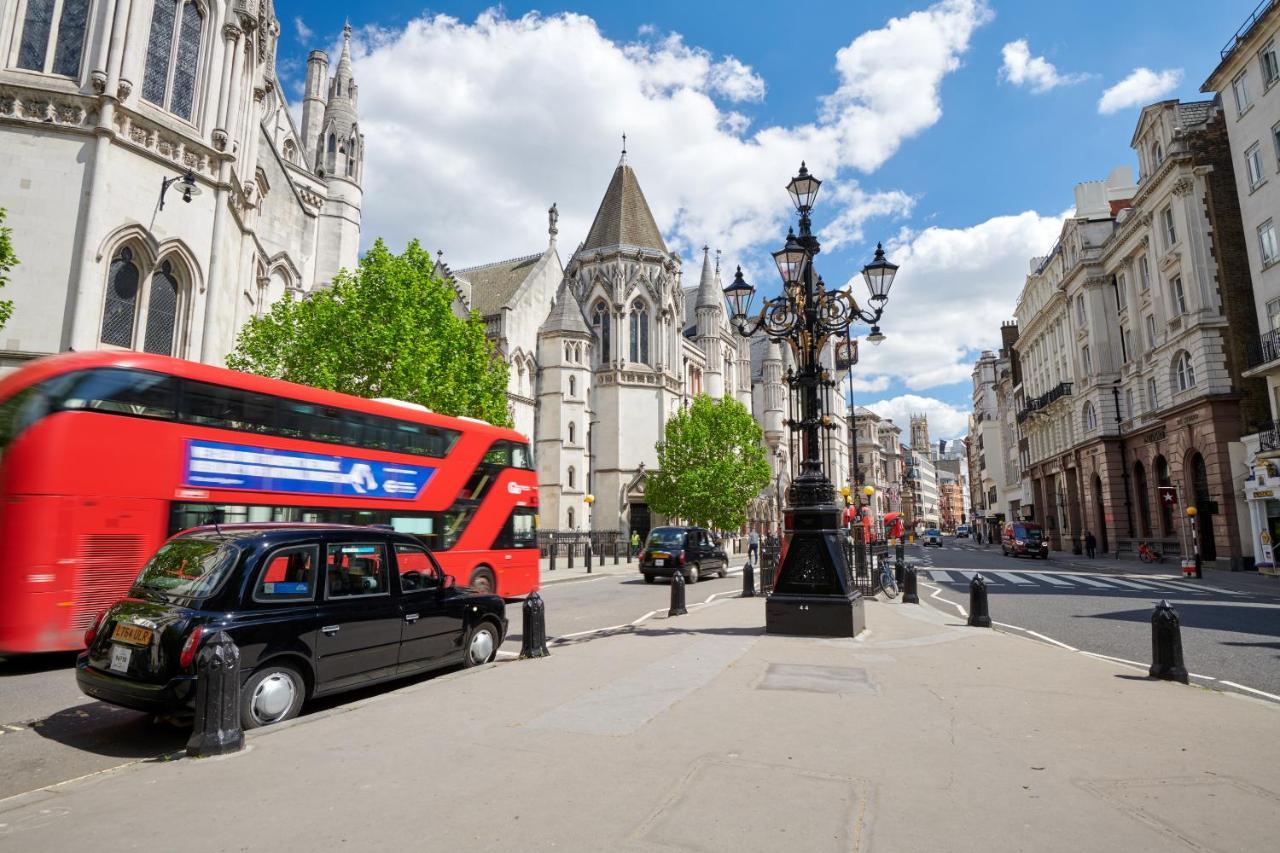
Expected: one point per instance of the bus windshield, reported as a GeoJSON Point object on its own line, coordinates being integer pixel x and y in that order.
{"type": "Point", "coordinates": [187, 568]}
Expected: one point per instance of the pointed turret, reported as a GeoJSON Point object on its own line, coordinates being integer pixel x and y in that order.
{"type": "Point", "coordinates": [566, 315]}
{"type": "Point", "coordinates": [708, 292]}
{"type": "Point", "coordinates": [624, 218]}
{"type": "Point", "coordinates": [707, 310]}
{"type": "Point", "coordinates": [340, 144]}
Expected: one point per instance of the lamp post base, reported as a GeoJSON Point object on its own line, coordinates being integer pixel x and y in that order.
{"type": "Point", "coordinates": [814, 615]}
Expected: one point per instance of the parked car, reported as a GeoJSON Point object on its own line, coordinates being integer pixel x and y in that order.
{"type": "Point", "coordinates": [314, 610]}
{"type": "Point", "coordinates": [932, 536]}
{"type": "Point", "coordinates": [962, 531]}
{"type": "Point", "coordinates": [691, 551]}
{"type": "Point", "coordinates": [1023, 539]}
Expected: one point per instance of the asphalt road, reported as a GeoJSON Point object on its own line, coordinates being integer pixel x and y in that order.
{"type": "Point", "coordinates": [50, 732]}
{"type": "Point", "coordinates": [1230, 623]}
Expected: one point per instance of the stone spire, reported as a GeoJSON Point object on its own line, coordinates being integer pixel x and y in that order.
{"type": "Point", "coordinates": [624, 218]}
{"type": "Point", "coordinates": [566, 314]}
{"type": "Point", "coordinates": [340, 143]}
{"type": "Point", "coordinates": [708, 293]}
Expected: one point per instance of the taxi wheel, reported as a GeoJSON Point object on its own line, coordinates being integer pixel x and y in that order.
{"type": "Point", "coordinates": [649, 578]}
{"type": "Point", "coordinates": [273, 694]}
{"type": "Point", "coordinates": [694, 574]}
{"type": "Point", "coordinates": [481, 644]}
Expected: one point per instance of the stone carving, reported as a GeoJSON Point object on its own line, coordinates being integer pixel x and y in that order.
{"type": "Point", "coordinates": [219, 139]}
{"type": "Point", "coordinates": [1183, 186]}
{"type": "Point", "coordinates": [231, 32]}
{"type": "Point", "coordinates": [98, 80]}
{"type": "Point", "coordinates": [36, 109]}
{"type": "Point", "coordinates": [124, 88]}
{"type": "Point", "coordinates": [8, 105]}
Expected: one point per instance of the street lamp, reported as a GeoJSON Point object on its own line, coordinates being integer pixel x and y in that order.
{"type": "Point", "coordinates": [812, 593]}
{"type": "Point", "coordinates": [186, 183]}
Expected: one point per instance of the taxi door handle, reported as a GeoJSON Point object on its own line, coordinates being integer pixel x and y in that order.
{"type": "Point", "coordinates": [329, 630]}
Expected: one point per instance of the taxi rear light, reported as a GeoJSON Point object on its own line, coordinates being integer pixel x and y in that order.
{"type": "Point", "coordinates": [680, 559]}
{"type": "Point", "coordinates": [92, 631]}
{"type": "Point", "coordinates": [190, 646]}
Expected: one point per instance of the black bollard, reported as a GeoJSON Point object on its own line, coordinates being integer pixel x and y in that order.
{"type": "Point", "coordinates": [900, 553]}
{"type": "Point", "coordinates": [571, 550]}
{"type": "Point", "coordinates": [748, 581]}
{"type": "Point", "coordinates": [533, 636]}
{"type": "Point", "coordinates": [553, 556]}
{"type": "Point", "coordinates": [979, 616]}
{"type": "Point", "coordinates": [899, 575]}
{"type": "Point", "coordinates": [587, 556]}
{"type": "Point", "coordinates": [217, 724]}
{"type": "Point", "coordinates": [1166, 644]}
{"type": "Point", "coordinates": [677, 595]}
{"type": "Point", "coordinates": [615, 551]}
{"type": "Point", "coordinates": [910, 595]}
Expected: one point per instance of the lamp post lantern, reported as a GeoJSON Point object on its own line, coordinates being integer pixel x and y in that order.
{"type": "Point", "coordinates": [812, 595]}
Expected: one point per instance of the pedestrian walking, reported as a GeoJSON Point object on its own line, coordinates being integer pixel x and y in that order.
{"type": "Point", "coordinates": [1090, 544]}
{"type": "Point", "coordinates": [635, 542]}
{"type": "Point", "coordinates": [753, 547]}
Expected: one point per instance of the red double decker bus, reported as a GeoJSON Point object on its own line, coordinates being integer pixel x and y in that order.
{"type": "Point", "coordinates": [104, 455]}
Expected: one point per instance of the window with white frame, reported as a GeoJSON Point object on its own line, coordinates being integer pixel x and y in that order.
{"type": "Point", "coordinates": [1273, 315]}
{"type": "Point", "coordinates": [1240, 86]}
{"type": "Point", "coordinates": [173, 56]}
{"type": "Point", "coordinates": [1177, 295]}
{"type": "Point", "coordinates": [1090, 417]}
{"type": "Point", "coordinates": [1267, 243]}
{"type": "Point", "coordinates": [1153, 402]}
{"type": "Point", "coordinates": [142, 312]}
{"type": "Point", "coordinates": [1170, 231]}
{"type": "Point", "coordinates": [1121, 299]}
{"type": "Point", "coordinates": [1144, 274]}
{"type": "Point", "coordinates": [53, 33]}
{"type": "Point", "coordinates": [1275, 139]}
{"type": "Point", "coordinates": [1184, 375]}
{"type": "Point", "coordinates": [1086, 359]}
{"type": "Point", "coordinates": [1269, 64]}
{"type": "Point", "coordinates": [1157, 155]}
{"type": "Point", "coordinates": [1126, 343]}
{"type": "Point", "coordinates": [1151, 331]}
{"type": "Point", "coordinates": [1080, 310]}
{"type": "Point", "coordinates": [1128, 403]}
{"type": "Point", "coordinates": [1253, 165]}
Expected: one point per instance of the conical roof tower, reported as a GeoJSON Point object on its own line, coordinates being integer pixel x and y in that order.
{"type": "Point", "coordinates": [624, 218]}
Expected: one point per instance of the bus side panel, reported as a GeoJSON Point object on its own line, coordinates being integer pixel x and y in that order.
{"type": "Point", "coordinates": [516, 577]}
{"type": "Point", "coordinates": [32, 581]}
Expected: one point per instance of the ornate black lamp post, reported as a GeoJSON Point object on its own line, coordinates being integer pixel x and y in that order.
{"type": "Point", "coordinates": [812, 595]}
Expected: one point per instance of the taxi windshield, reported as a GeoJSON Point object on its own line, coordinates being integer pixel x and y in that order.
{"type": "Point", "coordinates": [187, 568]}
{"type": "Point", "coordinates": [666, 537]}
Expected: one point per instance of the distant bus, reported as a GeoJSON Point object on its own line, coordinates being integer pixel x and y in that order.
{"type": "Point", "coordinates": [104, 455]}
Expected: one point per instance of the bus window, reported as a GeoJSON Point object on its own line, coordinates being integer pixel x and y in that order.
{"type": "Point", "coordinates": [125, 392]}
{"type": "Point", "coordinates": [499, 454]}
{"type": "Point", "coordinates": [231, 408]}
{"type": "Point", "coordinates": [520, 457]}
{"type": "Point", "coordinates": [520, 530]}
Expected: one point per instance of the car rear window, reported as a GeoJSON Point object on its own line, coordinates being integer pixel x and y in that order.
{"type": "Point", "coordinates": [666, 537]}
{"type": "Point", "coordinates": [190, 567]}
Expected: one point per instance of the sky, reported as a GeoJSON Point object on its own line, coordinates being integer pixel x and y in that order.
{"type": "Point", "coordinates": [952, 131]}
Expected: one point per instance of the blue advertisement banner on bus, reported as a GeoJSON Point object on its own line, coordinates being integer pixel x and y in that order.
{"type": "Point", "coordinates": [214, 465]}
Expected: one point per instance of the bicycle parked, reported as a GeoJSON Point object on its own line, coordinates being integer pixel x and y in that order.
{"type": "Point", "coordinates": [887, 581]}
{"type": "Point", "coordinates": [1147, 554]}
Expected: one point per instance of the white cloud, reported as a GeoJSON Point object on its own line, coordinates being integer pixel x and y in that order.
{"type": "Point", "coordinates": [1139, 89]}
{"type": "Point", "coordinates": [300, 27]}
{"type": "Point", "coordinates": [1022, 69]}
{"type": "Point", "coordinates": [866, 384]}
{"type": "Point", "coordinates": [473, 129]}
{"type": "Point", "coordinates": [954, 288]}
{"type": "Point", "coordinates": [945, 421]}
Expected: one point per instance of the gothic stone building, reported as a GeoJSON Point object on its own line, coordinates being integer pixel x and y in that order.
{"type": "Point", "coordinates": [101, 101]}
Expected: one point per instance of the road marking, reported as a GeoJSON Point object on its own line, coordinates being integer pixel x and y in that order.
{"type": "Point", "coordinates": [1271, 696]}
{"type": "Point", "coordinates": [1050, 579]}
{"type": "Point", "coordinates": [946, 576]}
{"type": "Point", "coordinates": [1014, 579]}
{"type": "Point", "coordinates": [1132, 584]}
{"type": "Point", "coordinates": [1088, 581]}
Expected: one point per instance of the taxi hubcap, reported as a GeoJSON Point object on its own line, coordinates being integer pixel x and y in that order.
{"type": "Point", "coordinates": [481, 646]}
{"type": "Point", "coordinates": [273, 697]}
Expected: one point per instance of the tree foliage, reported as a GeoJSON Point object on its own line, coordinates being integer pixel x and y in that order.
{"type": "Point", "coordinates": [386, 330]}
{"type": "Point", "coordinates": [8, 260]}
{"type": "Point", "coordinates": [711, 464]}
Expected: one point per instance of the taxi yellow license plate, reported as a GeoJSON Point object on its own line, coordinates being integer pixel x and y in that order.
{"type": "Point", "coordinates": [132, 634]}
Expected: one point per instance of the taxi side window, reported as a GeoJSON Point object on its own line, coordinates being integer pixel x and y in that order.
{"type": "Point", "coordinates": [289, 575]}
{"type": "Point", "coordinates": [416, 571]}
{"type": "Point", "coordinates": [356, 570]}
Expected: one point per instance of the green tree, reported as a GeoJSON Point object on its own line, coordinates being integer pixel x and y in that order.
{"type": "Point", "coordinates": [386, 330]}
{"type": "Point", "coordinates": [711, 463]}
{"type": "Point", "coordinates": [8, 260]}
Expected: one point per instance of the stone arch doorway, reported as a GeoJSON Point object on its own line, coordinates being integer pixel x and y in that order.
{"type": "Point", "coordinates": [1204, 505]}
{"type": "Point", "coordinates": [1100, 515]}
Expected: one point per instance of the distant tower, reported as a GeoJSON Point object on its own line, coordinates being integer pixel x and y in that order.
{"type": "Point", "coordinates": [564, 413]}
{"type": "Point", "coordinates": [920, 434]}
{"type": "Point", "coordinates": [340, 154]}
{"type": "Point", "coordinates": [775, 403]}
{"type": "Point", "coordinates": [313, 101]}
{"type": "Point", "coordinates": [708, 311]}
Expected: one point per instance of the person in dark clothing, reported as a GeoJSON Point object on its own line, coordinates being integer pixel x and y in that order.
{"type": "Point", "coordinates": [1090, 544]}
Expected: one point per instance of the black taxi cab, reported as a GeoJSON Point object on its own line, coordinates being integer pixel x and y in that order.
{"type": "Point", "coordinates": [314, 610]}
{"type": "Point", "coordinates": [691, 552]}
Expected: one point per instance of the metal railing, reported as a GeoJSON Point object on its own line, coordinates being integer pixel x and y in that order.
{"type": "Point", "coordinates": [1269, 436]}
{"type": "Point", "coordinates": [1062, 389]}
{"type": "Point", "coordinates": [1265, 349]}
{"type": "Point", "coordinates": [1243, 32]}
{"type": "Point", "coordinates": [575, 542]}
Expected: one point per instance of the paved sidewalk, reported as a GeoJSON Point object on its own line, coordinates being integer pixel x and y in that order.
{"type": "Point", "coordinates": [700, 733]}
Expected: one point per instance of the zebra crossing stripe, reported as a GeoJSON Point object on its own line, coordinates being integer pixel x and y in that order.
{"type": "Point", "coordinates": [1050, 579]}
{"type": "Point", "coordinates": [940, 576]}
{"type": "Point", "coordinates": [1015, 579]}
{"type": "Point", "coordinates": [1193, 588]}
{"type": "Point", "coordinates": [1090, 582]}
{"type": "Point", "coordinates": [1132, 584]}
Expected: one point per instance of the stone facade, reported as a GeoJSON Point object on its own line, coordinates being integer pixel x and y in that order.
{"type": "Point", "coordinates": [92, 121]}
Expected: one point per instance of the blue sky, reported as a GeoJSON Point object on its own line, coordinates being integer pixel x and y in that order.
{"type": "Point", "coordinates": [962, 168]}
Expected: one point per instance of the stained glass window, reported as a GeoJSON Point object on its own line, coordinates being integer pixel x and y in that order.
{"type": "Point", "coordinates": [155, 79]}
{"type": "Point", "coordinates": [188, 59]}
{"type": "Point", "coordinates": [639, 333]}
{"type": "Point", "coordinates": [122, 300]}
{"type": "Point", "coordinates": [71, 27]}
{"type": "Point", "coordinates": [162, 311]}
{"type": "Point", "coordinates": [35, 34]}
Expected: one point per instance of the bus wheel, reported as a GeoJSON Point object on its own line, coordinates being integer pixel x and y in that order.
{"type": "Point", "coordinates": [482, 580]}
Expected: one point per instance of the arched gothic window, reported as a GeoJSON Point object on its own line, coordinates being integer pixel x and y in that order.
{"type": "Point", "coordinates": [1184, 374]}
{"type": "Point", "coordinates": [162, 312]}
{"type": "Point", "coordinates": [122, 300]}
{"type": "Point", "coordinates": [53, 36]}
{"type": "Point", "coordinates": [600, 323]}
{"type": "Point", "coordinates": [573, 386]}
{"type": "Point", "coordinates": [573, 435]}
{"type": "Point", "coordinates": [351, 157]}
{"type": "Point", "coordinates": [1090, 417]}
{"type": "Point", "coordinates": [572, 479]}
{"type": "Point", "coordinates": [331, 152]}
{"type": "Point", "coordinates": [570, 524]}
{"type": "Point", "coordinates": [639, 333]}
{"type": "Point", "coordinates": [173, 56]}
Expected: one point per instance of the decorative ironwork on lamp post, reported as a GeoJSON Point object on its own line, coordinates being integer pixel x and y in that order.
{"type": "Point", "coordinates": [812, 595]}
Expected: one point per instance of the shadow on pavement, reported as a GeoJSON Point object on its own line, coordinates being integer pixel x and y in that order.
{"type": "Point", "coordinates": [104, 729]}
{"type": "Point", "coordinates": [29, 664]}
{"type": "Point", "coordinates": [1208, 617]}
